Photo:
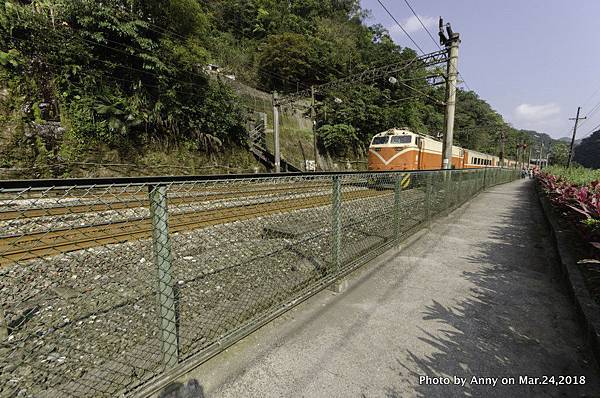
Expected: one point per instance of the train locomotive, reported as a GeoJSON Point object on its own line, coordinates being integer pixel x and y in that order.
{"type": "Point", "coordinates": [401, 149]}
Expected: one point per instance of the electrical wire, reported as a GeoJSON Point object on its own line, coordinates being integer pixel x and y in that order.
{"type": "Point", "coordinates": [590, 97]}
{"type": "Point", "coordinates": [432, 39]}
{"type": "Point", "coordinates": [169, 33]}
{"type": "Point", "coordinates": [401, 27]}
{"type": "Point", "coordinates": [140, 57]}
{"type": "Point", "coordinates": [422, 24]}
{"type": "Point", "coordinates": [438, 102]}
{"type": "Point", "coordinates": [590, 115]}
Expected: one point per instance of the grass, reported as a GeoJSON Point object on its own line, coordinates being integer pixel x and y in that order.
{"type": "Point", "coordinates": [576, 175]}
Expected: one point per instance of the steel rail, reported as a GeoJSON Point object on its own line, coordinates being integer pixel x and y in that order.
{"type": "Point", "coordinates": [57, 242]}
{"type": "Point", "coordinates": [103, 182]}
{"type": "Point", "coordinates": [143, 202]}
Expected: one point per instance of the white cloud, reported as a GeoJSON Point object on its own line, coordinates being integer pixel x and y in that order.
{"type": "Point", "coordinates": [412, 24]}
{"type": "Point", "coordinates": [536, 113]}
{"type": "Point", "coordinates": [542, 117]}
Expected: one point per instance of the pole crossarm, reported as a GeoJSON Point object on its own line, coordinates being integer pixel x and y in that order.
{"type": "Point", "coordinates": [426, 60]}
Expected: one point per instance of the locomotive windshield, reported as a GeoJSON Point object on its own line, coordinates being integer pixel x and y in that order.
{"type": "Point", "coordinates": [380, 140]}
{"type": "Point", "coordinates": [401, 139]}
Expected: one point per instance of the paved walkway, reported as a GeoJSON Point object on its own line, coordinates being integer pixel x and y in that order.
{"type": "Point", "coordinates": [477, 296]}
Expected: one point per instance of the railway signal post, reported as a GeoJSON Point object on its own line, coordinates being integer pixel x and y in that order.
{"type": "Point", "coordinates": [451, 43]}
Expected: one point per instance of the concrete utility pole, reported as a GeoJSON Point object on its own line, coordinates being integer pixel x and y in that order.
{"type": "Point", "coordinates": [520, 155]}
{"type": "Point", "coordinates": [451, 43]}
{"type": "Point", "coordinates": [276, 133]}
{"type": "Point", "coordinates": [577, 119]}
{"type": "Point", "coordinates": [502, 139]}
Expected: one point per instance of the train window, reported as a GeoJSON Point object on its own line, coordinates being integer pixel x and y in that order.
{"type": "Point", "coordinates": [401, 139]}
{"type": "Point", "coordinates": [380, 140]}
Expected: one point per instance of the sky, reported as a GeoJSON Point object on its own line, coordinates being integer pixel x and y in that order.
{"type": "Point", "coordinates": [533, 61]}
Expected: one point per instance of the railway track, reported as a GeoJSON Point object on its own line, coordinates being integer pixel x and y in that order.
{"type": "Point", "coordinates": [135, 199]}
{"type": "Point", "coordinates": [48, 243]}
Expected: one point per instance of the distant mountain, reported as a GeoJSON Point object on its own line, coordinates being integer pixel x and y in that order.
{"type": "Point", "coordinates": [587, 153]}
{"type": "Point", "coordinates": [539, 138]}
{"type": "Point", "coordinates": [568, 140]}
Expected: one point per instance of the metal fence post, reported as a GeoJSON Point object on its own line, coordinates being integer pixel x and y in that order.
{"type": "Point", "coordinates": [336, 222]}
{"type": "Point", "coordinates": [484, 178]}
{"type": "Point", "coordinates": [397, 192]}
{"type": "Point", "coordinates": [162, 260]}
{"type": "Point", "coordinates": [450, 193]}
{"type": "Point", "coordinates": [480, 181]}
{"type": "Point", "coordinates": [428, 189]}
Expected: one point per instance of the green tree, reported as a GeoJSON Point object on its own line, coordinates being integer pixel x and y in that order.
{"type": "Point", "coordinates": [289, 58]}
{"type": "Point", "coordinates": [587, 153]}
{"type": "Point", "coordinates": [339, 139]}
{"type": "Point", "coordinates": [559, 153]}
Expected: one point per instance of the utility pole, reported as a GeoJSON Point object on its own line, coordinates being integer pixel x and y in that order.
{"type": "Point", "coordinates": [520, 147]}
{"type": "Point", "coordinates": [314, 123]}
{"type": "Point", "coordinates": [541, 154]}
{"type": "Point", "coordinates": [502, 139]}
{"type": "Point", "coordinates": [276, 133]}
{"type": "Point", "coordinates": [451, 43]}
{"type": "Point", "coordinates": [577, 119]}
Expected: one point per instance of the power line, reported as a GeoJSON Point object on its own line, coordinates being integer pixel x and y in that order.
{"type": "Point", "coordinates": [371, 74]}
{"type": "Point", "coordinates": [422, 93]}
{"type": "Point", "coordinates": [590, 97]}
{"type": "Point", "coordinates": [177, 69]}
{"type": "Point", "coordinates": [591, 113]}
{"type": "Point", "coordinates": [431, 36]}
{"type": "Point", "coordinates": [422, 24]}
{"type": "Point", "coordinates": [592, 131]}
{"type": "Point", "coordinates": [167, 64]}
{"type": "Point", "coordinates": [170, 33]}
{"type": "Point", "coordinates": [400, 26]}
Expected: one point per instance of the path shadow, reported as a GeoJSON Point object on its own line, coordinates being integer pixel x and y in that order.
{"type": "Point", "coordinates": [517, 319]}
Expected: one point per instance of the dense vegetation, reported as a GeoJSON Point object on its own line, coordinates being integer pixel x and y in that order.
{"type": "Point", "coordinates": [575, 192]}
{"type": "Point", "coordinates": [123, 76]}
{"type": "Point", "coordinates": [587, 153]}
{"type": "Point", "coordinates": [576, 175]}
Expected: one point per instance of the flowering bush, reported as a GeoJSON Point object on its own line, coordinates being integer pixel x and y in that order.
{"type": "Point", "coordinates": [581, 201]}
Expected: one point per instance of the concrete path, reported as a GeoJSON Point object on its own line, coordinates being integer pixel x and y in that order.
{"type": "Point", "coordinates": [477, 296]}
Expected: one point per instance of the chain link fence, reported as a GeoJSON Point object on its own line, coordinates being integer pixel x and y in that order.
{"type": "Point", "coordinates": [108, 286]}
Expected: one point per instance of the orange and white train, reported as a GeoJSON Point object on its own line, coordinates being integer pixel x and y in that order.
{"type": "Point", "coordinates": [401, 149]}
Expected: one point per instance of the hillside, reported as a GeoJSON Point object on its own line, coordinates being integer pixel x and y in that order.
{"type": "Point", "coordinates": [87, 84]}
{"type": "Point", "coordinates": [587, 152]}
